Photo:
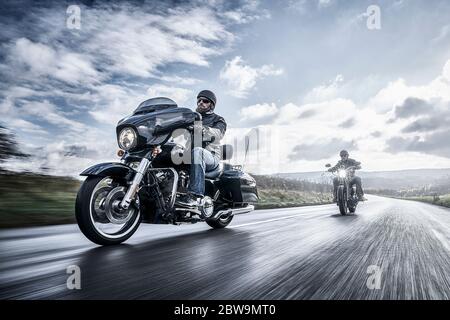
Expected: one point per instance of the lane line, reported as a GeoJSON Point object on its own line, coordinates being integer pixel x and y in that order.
{"type": "Point", "coordinates": [270, 220]}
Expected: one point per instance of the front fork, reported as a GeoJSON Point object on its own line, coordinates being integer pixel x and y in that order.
{"type": "Point", "coordinates": [131, 192]}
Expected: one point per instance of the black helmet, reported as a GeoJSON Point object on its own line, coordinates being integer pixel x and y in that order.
{"type": "Point", "coordinates": [208, 94]}
{"type": "Point", "coordinates": [343, 153]}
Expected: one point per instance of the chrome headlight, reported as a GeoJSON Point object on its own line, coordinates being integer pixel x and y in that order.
{"type": "Point", "coordinates": [342, 173]}
{"type": "Point", "coordinates": [127, 138]}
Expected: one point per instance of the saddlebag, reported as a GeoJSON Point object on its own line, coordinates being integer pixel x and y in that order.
{"type": "Point", "coordinates": [237, 186]}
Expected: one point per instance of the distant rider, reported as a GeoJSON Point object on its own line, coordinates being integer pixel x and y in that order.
{"type": "Point", "coordinates": [345, 163]}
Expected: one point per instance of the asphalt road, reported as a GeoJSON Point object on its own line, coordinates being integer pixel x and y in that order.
{"type": "Point", "coordinates": [296, 253]}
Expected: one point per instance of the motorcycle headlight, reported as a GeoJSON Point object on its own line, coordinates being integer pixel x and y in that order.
{"type": "Point", "coordinates": [342, 173]}
{"type": "Point", "coordinates": [127, 139]}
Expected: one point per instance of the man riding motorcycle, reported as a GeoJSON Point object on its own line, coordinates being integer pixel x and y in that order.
{"type": "Point", "coordinates": [346, 162]}
{"type": "Point", "coordinates": [207, 157]}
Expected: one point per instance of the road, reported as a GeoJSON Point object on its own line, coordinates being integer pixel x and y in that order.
{"type": "Point", "coordinates": [391, 249]}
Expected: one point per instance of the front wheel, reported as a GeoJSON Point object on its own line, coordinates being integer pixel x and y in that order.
{"type": "Point", "coordinates": [342, 200]}
{"type": "Point", "coordinates": [98, 213]}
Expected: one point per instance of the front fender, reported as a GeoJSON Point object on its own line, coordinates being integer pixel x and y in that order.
{"type": "Point", "coordinates": [108, 169]}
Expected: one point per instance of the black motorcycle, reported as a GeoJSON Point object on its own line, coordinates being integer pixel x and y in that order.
{"type": "Point", "coordinates": [144, 187]}
{"type": "Point", "coordinates": [346, 197]}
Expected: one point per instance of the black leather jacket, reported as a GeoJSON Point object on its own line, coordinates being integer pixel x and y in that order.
{"type": "Point", "coordinates": [215, 126]}
{"type": "Point", "coordinates": [347, 163]}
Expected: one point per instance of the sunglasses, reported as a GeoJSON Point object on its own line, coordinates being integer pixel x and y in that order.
{"type": "Point", "coordinates": [203, 100]}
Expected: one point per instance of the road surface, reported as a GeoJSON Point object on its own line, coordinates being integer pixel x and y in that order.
{"type": "Point", "coordinates": [391, 249]}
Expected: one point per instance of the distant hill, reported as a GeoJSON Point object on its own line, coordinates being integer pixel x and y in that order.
{"type": "Point", "coordinates": [400, 179]}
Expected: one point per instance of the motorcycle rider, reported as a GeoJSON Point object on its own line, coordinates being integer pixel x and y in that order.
{"type": "Point", "coordinates": [346, 162]}
{"type": "Point", "coordinates": [207, 157]}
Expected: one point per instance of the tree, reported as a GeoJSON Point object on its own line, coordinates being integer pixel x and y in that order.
{"type": "Point", "coordinates": [8, 146]}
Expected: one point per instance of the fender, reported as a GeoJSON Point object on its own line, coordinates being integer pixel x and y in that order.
{"type": "Point", "coordinates": [108, 169]}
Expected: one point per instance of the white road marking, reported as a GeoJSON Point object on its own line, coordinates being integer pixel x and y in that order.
{"type": "Point", "coordinates": [270, 220]}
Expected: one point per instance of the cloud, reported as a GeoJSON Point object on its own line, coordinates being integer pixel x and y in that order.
{"type": "Point", "coordinates": [258, 112]}
{"type": "Point", "coordinates": [307, 113]}
{"type": "Point", "coordinates": [197, 23]}
{"type": "Point", "coordinates": [180, 95]}
{"type": "Point", "coordinates": [435, 143]}
{"type": "Point", "coordinates": [241, 78]}
{"type": "Point", "coordinates": [412, 107]}
{"type": "Point", "coordinates": [181, 80]}
{"type": "Point", "coordinates": [58, 84]}
{"type": "Point", "coordinates": [396, 92]}
{"type": "Point", "coordinates": [26, 126]}
{"type": "Point", "coordinates": [326, 91]}
{"type": "Point", "coordinates": [246, 12]}
{"type": "Point", "coordinates": [113, 102]}
{"type": "Point", "coordinates": [304, 6]}
{"type": "Point", "coordinates": [329, 111]}
{"type": "Point", "coordinates": [425, 124]}
{"type": "Point", "coordinates": [348, 123]}
{"type": "Point", "coordinates": [313, 130]}
{"type": "Point", "coordinates": [325, 3]}
{"type": "Point", "coordinates": [443, 34]}
{"type": "Point", "coordinates": [376, 134]}
{"type": "Point", "coordinates": [320, 149]}
{"type": "Point", "coordinates": [42, 60]}
{"type": "Point", "coordinates": [48, 112]}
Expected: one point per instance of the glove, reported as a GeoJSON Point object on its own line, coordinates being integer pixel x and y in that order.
{"type": "Point", "coordinates": [192, 128]}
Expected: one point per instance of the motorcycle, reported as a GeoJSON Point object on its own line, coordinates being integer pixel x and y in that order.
{"type": "Point", "coordinates": [145, 185]}
{"type": "Point", "coordinates": [346, 197]}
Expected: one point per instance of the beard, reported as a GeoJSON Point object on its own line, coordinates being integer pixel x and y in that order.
{"type": "Point", "coordinates": [204, 110]}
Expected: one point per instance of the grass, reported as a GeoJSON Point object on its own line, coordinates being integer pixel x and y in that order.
{"type": "Point", "coordinates": [28, 199]}
{"type": "Point", "coordinates": [442, 200]}
{"type": "Point", "coordinates": [31, 200]}
{"type": "Point", "coordinates": [270, 199]}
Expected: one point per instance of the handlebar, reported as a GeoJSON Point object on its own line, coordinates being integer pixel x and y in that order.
{"type": "Point", "coordinates": [198, 116]}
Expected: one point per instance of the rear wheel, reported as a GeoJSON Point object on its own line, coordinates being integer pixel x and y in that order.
{"type": "Point", "coordinates": [98, 213]}
{"type": "Point", "coordinates": [342, 200]}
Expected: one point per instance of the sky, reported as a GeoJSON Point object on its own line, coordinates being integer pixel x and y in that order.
{"type": "Point", "coordinates": [302, 78]}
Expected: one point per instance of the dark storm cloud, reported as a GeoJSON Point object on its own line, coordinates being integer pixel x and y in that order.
{"type": "Point", "coordinates": [307, 114]}
{"type": "Point", "coordinates": [376, 134]}
{"type": "Point", "coordinates": [425, 124]}
{"type": "Point", "coordinates": [436, 118]}
{"type": "Point", "coordinates": [425, 116]}
{"type": "Point", "coordinates": [412, 107]}
{"type": "Point", "coordinates": [348, 123]}
{"type": "Point", "coordinates": [320, 151]}
{"type": "Point", "coordinates": [436, 144]}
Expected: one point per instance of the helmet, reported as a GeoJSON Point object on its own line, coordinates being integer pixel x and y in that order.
{"type": "Point", "coordinates": [343, 153]}
{"type": "Point", "coordinates": [208, 94]}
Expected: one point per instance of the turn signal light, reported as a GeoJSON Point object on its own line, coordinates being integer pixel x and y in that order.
{"type": "Point", "coordinates": [120, 153]}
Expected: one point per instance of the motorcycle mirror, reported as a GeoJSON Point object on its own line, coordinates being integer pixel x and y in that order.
{"type": "Point", "coordinates": [328, 165]}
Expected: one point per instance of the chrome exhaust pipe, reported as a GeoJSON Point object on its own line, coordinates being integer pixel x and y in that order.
{"type": "Point", "coordinates": [233, 212]}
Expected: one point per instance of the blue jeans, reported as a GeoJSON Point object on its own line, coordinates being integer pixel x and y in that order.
{"type": "Point", "coordinates": [203, 161]}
